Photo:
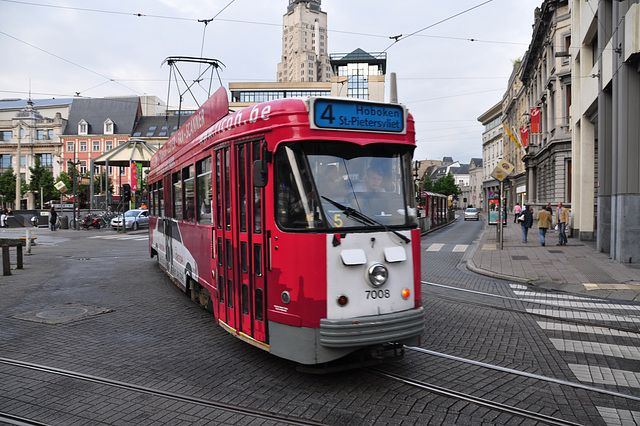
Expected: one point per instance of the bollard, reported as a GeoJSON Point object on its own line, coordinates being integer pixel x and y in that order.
{"type": "Point", "coordinates": [28, 241]}
{"type": "Point", "coordinates": [6, 266]}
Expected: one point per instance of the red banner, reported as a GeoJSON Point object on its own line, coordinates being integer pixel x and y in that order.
{"type": "Point", "coordinates": [524, 136]}
{"type": "Point", "coordinates": [134, 177]}
{"type": "Point", "coordinates": [535, 120]}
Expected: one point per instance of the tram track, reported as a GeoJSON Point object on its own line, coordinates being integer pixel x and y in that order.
{"type": "Point", "coordinates": [492, 405]}
{"type": "Point", "coordinates": [231, 408]}
{"type": "Point", "coordinates": [620, 318]}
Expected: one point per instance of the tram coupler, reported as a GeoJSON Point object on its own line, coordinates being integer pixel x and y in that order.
{"type": "Point", "coordinates": [388, 351]}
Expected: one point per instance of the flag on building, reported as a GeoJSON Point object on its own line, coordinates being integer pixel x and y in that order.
{"type": "Point", "coordinates": [524, 136]}
{"type": "Point", "coordinates": [535, 120]}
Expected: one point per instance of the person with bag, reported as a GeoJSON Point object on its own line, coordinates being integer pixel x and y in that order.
{"type": "Point", "coordinates": [563, 221]}
{"type": "Point", "coordinates": [516, 212]}
{"type": "Point", "coordinates": [526, 221]}
{"type": "Point", "coordinates": [544, 220]}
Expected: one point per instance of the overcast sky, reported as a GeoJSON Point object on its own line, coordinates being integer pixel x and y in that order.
{"type": "Point", "coordinates": [95, 48]}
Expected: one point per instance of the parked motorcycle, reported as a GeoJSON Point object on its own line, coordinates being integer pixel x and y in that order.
{"type": "Point", "coordinates": [91, 221]}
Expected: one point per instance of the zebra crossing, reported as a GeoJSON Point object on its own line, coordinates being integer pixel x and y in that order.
{"type": "Point", "coordinates": [582, 365]}
{"type": "Point", "coordinates": [453, 248]}
{"type": "Point", "coordinates": [129, 237]}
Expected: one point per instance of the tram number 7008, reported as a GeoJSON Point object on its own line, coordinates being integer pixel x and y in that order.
{"type": "Point", "coordinates": [378, 294]}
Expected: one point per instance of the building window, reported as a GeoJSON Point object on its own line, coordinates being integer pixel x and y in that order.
{"type": "Point", "coordinates": [96, 146]}
{"type": "Point", "coordinates": [83, 146]}
{"type": "Point", "coordinates": [108, 127]}
{"type": "Point", "coordinates": [40, 134]}
{"type": "Point", "coordinates": [83, 167]}
{"type": "Point", "coordinates": [46, 160]}
{"type": "Point", "coordinates": [5, 162]}
{"type": "Point", "coordinates": [108, 145]}
{"type": "Point", "coordinates": [83, 128]}
{"type": "Point", "coordinates": [6, 135]}
{"type": "Point", "coordinates": [70, 146]}
{"type": "Point", "coordinates": [50, 134]}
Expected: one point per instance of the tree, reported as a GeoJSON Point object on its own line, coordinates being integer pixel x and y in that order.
{"type": "Point", "coordinates": [42, 183]}
{"type": "Point", "coordinates": [8, 186]}
{"type": "Point", "coordinates": [446, 185]}
{"type": "Point", "coordinates": [427, 185]}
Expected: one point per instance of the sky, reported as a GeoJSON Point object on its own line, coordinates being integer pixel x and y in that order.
{"type": "Point", "coordinates": [452, 61]}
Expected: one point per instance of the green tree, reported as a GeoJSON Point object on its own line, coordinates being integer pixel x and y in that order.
{"type": "Point", "coordinates": [8, 186]}
{"type": "Point", "coordinates": [446, 185]}
{"type": "Point", "coordinates": [42, 183]}
{"type": "Point", "coordinates": [427, 185]}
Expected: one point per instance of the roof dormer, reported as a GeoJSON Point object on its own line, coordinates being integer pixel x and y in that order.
{"type": "Point", "coordinates": [108, 126]}
{"type": "Point", "coordinates": [83, 128]}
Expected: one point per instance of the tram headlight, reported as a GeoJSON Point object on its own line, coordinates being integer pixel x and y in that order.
{"type": "Point", "coordinates": [378, 274]}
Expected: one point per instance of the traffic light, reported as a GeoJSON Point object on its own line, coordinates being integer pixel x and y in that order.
{"type": "Point", "coordinates": [126, 192]}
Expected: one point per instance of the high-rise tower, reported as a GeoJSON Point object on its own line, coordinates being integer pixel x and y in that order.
{"type": "Point", "coordinates": [305, 55]}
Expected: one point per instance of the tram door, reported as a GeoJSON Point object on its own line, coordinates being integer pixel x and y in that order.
{"type": "Point", "coordinates": [240, 240]}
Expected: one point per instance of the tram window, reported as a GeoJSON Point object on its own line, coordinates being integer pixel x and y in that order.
{"type": "Point", "coordinates": [218, 190]}
{"type": "Point", "coordinates": [229, 255]}
{"type": "Point", "coordinates": [257, 196]}
{"type": "Point", "coordinates": [177, 196]}
{"type": "Point", "coordinates": [220, 251]}
{"type": "Point", "coordinates": [230, 293]}
{"type": "Point", "coordinates": [160, 199]}
{"type": "Point", "coordinates": [221, 288]}
{"type": "Point", "coordinates": [227, 191]}
{"type": "Point", "coordinates": [242, 187]}
{"type": "Point", "coordinates": [257, 260]}
{"type": "Point", "coordinates": [175, 232]}
{"type": "Point", "coordinates": [243, 256]}
{"type": "Point", "coordinates": [259, 303]}
{"type": "Point", "coordinates": [188, 180]}
{"type": "Point", "coordinates": [204, 195]}
{"type": "Point", "coordinates": [245, 299]}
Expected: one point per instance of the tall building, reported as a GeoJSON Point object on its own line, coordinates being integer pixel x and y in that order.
{"type": "Point", "coordinates": [305, 55]}
{"type": "Point", "coordinates": [605, 55]}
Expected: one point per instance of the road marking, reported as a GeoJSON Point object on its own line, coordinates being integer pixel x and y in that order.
{"type": "Point", "coordinates": [606, 376]}
{"type": "Point", "coordinates": [583, 305]}
{"type": "Point", "coordinates": [460, 248]}
{"type": "Point", "coordinates": [606, 349]}
{"type": "Point", "coordinates": [435, 247]}
{"type": "Point", "coordinates": [582, 315]}
{"type": "Point", "coordinates": [585, 329]}
{"type": "Point", "coordinates": [613, 416]}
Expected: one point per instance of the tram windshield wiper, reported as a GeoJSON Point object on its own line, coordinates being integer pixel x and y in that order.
{"type": "Point", "coordinates": [363, 218]}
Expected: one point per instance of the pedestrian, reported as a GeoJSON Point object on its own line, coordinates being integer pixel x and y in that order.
{"type": "Point", "coordinates": [53, 218]}
{"type": "Point", "coordinates": [527, 222]}
{"type": "Point", "coordinates": [516, 212]}
{"type": "Point", "coordinates": [563, 221]}
{"type": "Point", "coordinates": [544, 220]}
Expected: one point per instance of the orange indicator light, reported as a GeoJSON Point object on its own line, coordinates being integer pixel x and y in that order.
{"type": "Point", "coordinates": [406, 293]}
{"type": "Point", "coordinates": [343, 300]}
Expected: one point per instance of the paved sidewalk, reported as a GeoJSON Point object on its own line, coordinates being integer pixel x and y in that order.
{"type": "Point", "coordinates": [576, 268]}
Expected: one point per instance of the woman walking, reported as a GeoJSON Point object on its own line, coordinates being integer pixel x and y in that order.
{"type": "Point", "coordinates": [527, 222]}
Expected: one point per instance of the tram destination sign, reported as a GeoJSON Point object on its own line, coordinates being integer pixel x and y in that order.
{"type": "Point", "coordinates": [354, 115]}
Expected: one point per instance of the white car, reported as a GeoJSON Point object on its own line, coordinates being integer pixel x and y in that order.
{"type": "Point", "coordinates": [134, 219]}
{"type": "Point", "coordinates": [471, 214]}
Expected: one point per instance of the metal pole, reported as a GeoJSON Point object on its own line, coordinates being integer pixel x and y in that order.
{"type": "Point", "coordinates": [500, 214]}
{"type": "Point", "coordinates": [18, 168]}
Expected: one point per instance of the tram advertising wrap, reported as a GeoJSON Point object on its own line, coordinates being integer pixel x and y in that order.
{"type": "Point", "coordinates": [294, 222]}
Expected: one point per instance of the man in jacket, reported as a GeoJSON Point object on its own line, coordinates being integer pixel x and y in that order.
{"type": "Point", "coordinates": [563, 220]}
{"type": "Point", "coordinates": [527, 222]}
{"type": "Point", "coordinates": [544, 220]}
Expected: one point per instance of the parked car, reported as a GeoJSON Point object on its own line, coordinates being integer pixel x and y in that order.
{"type": "Point", "coordinates": [134, 219]}
{"type": "Point", "coordinates": [471, 214]}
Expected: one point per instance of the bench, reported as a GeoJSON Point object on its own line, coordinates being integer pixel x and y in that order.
{"type": "Point", "coordinates": [18, 243]}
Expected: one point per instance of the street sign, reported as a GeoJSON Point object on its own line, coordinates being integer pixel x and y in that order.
{"type": "Point", "coordinates": [60, 186]}
{"type": "Point", "coordinates": [502, 170]}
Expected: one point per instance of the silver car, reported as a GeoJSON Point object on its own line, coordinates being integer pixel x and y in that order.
{"type": "Point", "coordinates": [134, 219]}
{"type": "Point", "coordinates": [471, 214]}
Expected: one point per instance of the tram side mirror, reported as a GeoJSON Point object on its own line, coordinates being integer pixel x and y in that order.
{"type": "Point", "coordinates": [260, 177]}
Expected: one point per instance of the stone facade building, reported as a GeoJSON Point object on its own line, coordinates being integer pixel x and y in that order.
{"type": "Point", "coordinates": [546, 79]}
{"type": "Point", "coordinates": [605, 58]}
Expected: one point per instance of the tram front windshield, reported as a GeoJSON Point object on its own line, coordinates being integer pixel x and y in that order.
{"type": "Point", "coordinates": [330, 186]}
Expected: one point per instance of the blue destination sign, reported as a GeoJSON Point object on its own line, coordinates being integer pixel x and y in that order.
{"type": "Point", "coordinates": [349, 115]}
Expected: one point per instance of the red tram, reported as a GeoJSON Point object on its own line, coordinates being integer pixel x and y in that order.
{"type": "Point", "coordinates": [294, 222]}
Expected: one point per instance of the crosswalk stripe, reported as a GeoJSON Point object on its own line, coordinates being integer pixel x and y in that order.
{"type": "Point", "coordinates": [583, 305]}
{"type": "Point", "coordinates": [614, 416]}
{"type": "Point", "coordinates": [435, 247]}
{"type": "Point", "coordinates": [606, 376]}
{"type": "Point", "coordinates": [460, 248]}
{"type": "Point", "coordinates": [585, 329]}
{"type": "Point", "coordinates": [618, 351]}
{"type": "Point", "coordinates": [582, 315]}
